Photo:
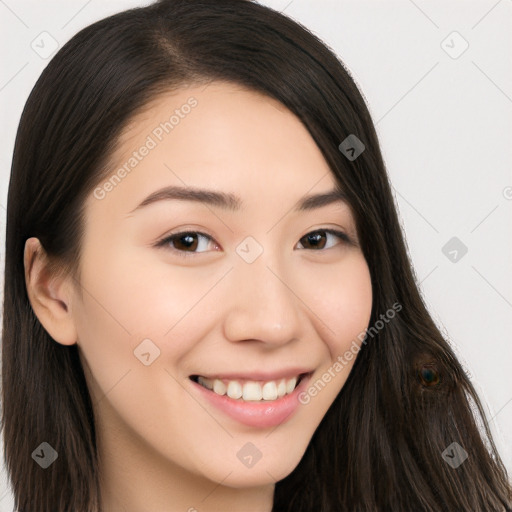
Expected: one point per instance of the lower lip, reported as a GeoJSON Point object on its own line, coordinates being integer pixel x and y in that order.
{"type": "Point", "coordinates": [259, 414]}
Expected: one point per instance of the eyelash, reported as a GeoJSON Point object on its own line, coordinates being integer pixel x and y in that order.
{"type": "Point", "coordinates": [168, 239]}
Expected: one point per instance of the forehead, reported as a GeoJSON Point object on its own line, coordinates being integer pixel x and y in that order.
{"type": "Point", "coordinates": [219, 136]}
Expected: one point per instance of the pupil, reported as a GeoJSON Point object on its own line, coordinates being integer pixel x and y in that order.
{"type": "Point", "coordinates": [314, 238]}
{"type": "Point", "coordinates": [189, 239]}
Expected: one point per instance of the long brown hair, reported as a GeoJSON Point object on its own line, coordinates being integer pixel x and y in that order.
{"type": "Point", "coordinates": [380, 445]}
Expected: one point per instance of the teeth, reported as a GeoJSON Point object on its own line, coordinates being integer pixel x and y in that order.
{"type": "Point", "coordinates": [208, 384]}
{"type": "Point", "coordinates": [219, 387]}
{"type": "Point", "coordinates": [234, 389]}
{"type": "Point", "coordinates": [250, 390]}
{"type": "Point", "coordinates": [269, 391]}
{"type": "Point", "coordinates": [290, 384]}
{"type": "Point", "coordinates": [281, 388]}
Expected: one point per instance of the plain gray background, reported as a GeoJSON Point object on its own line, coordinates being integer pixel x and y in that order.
{"type": "Point", "coordinates": [437, 76]}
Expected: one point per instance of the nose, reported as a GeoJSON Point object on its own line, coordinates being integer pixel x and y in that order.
{"type": "Point", "coordinates": [262, 304]}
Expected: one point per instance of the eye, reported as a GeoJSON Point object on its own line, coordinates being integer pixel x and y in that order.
{"type": "Point", "coordinates": [317, 239]}
{"type": "Point", "coordinates": [187, 242]}
{"type": "Point", "coordinates": [190, 242]}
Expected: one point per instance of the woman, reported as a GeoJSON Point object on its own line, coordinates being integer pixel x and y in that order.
{"type": "Point", "coordinates": [208, 300]}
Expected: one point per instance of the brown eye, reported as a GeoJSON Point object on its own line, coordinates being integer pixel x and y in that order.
{"type": "Point", "coordinates": [186, 242]}
{"type": "Point", "coordinates": [318, 239]}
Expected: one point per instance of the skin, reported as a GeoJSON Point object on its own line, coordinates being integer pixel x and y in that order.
{"type": "Point", "coordinates": [163, 447]}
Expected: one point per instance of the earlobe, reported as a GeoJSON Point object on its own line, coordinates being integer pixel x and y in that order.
{"type": "Point", "coordinates": [49, 295]}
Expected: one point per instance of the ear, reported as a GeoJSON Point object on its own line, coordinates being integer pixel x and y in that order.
{"type": "Point", "coordinates": [50, 295]}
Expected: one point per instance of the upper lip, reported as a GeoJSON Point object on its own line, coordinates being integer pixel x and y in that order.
{"type": "Point", "coordinates": [259, 375]}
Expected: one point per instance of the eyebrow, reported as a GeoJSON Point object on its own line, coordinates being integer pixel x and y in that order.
{"type": "Point", "coordinates": [231, 202]}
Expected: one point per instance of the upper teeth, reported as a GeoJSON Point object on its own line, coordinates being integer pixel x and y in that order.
{"type": "Point", "coordinates": [250, 390]}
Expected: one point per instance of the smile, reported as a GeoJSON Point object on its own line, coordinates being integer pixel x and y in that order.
{"type": "Point", "coordinates": [249, 390]}
{"type": "Point", "coordinates": [255, 403]}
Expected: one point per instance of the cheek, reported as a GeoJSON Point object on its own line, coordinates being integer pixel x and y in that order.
{"type": "Point", "coordinates": [344, 307]}
{"type": "Point", "coordinates": [130, 301]}
{"type": "Point", "coordinates": [139, 297]}
{"type": "Point", "coordinates": [344, 304]}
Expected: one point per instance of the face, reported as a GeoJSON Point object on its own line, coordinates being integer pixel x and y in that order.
{"type": "Point", "coordinates": [245, 289]}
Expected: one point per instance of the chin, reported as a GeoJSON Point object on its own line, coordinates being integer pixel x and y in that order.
{"type": "Point", "coordinates": [260, 474]}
